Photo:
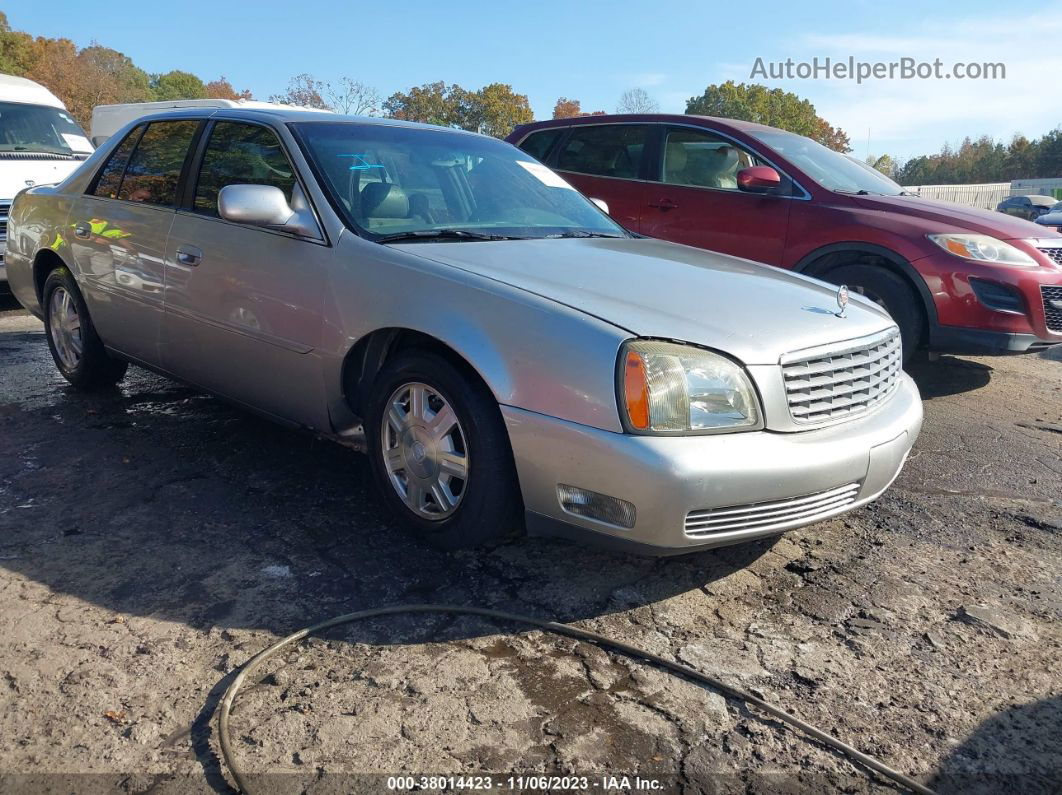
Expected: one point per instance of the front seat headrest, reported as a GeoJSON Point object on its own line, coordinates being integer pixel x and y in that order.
{"type": "Point", "coordinates": [675, 158]}
{"type": "Point", "coordinates": [384, 200]}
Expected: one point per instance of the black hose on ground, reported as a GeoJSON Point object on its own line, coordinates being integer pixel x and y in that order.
{"type": "Point", "coordinates": [560, 629]}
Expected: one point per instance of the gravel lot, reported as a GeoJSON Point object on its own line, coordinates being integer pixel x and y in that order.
{"type": "Point", "coordinates": [153, 539]}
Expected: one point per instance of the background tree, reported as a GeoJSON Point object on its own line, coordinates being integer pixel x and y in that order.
{"type": "Point", "coordinates": [496, 109]}
{"type": "Point", "coordinates": [637, 100]}
{"type": "Point", "coordinates": [431, 103]}
{"type": "Point", "coordinates": [567, 108]}
{"type": "Point", "coordinates": [177, 85]}
{"type": "Point", "coordinates": [102, 77]}
{"type": "Point", "coordinates": [352, 97]}
{"type": "Point", "coordinates": [773, 107]}
{"type": "Point", "coordinates": [305, 91]}
{"type": "Point", "coordinates": [16, 49]}
{"type": "Point", "coordinates": [884, 163]}
{"type": "Point", "coordinates": [222, 89]}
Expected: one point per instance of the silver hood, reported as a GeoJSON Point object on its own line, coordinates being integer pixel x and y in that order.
{"type": "Point", "coordinates": [652, 288]}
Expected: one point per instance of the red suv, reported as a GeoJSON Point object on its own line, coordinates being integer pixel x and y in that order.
{"type": "Point", "coordinates": [955, 279]}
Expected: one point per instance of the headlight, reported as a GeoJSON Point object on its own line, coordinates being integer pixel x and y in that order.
{"type": "Point", "coordinates": [670, 388]}
{"type": "Point", "coordinates": [983, 248]}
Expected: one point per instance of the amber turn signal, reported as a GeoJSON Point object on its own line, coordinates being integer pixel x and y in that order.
{"type": "Point", "coordinates": [636, 391]}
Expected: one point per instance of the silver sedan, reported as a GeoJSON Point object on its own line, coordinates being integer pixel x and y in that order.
{"type": "Point", "coordinates": [512, 357]}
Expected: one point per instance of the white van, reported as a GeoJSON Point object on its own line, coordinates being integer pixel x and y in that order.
{"type": "Point", "coordinates": [109, 119]}
{"type": "Point", "coordinates": [40, 143]}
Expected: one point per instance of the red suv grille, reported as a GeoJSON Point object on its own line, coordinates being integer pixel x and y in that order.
{"type": "Point", "coordinates": [1052, 306]}
{"type": "Point", "coordinates": [1053, 254]}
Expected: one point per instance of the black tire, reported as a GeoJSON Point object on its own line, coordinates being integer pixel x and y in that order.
{"type": "Point", "coordinates": [95, 368]}
{"type": "Point", "coordinates": [490, 508]}
{"type": "Point", "coordinates": [890, 291]}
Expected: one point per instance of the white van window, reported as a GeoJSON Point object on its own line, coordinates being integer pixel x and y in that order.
{"type": "Point", "coordinates": [41, 129]}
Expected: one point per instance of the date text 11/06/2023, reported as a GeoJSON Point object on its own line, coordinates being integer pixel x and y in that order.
{"type": "Point", "coordinates": [601, 783]}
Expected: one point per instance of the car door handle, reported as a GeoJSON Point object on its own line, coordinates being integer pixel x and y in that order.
{"type": "Point", "coordinates": [82, 230]}
{"type": "Point", "coordinates": [664, 204]}
{"type": "Point", "coordinates": [189, 255]}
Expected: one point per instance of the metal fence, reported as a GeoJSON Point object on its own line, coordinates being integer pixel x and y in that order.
{"type": "Point", "coordinates": [985, 196]}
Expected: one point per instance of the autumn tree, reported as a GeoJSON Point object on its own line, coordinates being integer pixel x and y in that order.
{"type": "Point", "coordinates": [352, 97]}
{"type": "Point", "coordinates": [222, 89]}
{"type": "Point", "coordinates": [431, 103]}
{"type": "Point", "coordinates": [177, 85]}
{"type": "Point", "coordinates": [496, 109]}
{"type": "Point", "coordinates": [304, 91]}
{"type": "Point", "coordinates": [567, 108]}
{"type": "Point", "coordinates": [16, 49]}
{"type": "Point", "coordinates": [773, 107]}
{"type": "Point", "coordinates": [637, 100]}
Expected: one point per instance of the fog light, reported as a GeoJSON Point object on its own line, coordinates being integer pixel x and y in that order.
{"type": "Point", "coordinates": [997, 296]}
{"type": "Point", "coordinates": [590, 504]}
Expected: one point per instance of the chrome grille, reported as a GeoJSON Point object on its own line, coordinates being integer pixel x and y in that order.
{"type": "Point", "coordinates": [1052, 306]}
{"type": "Point", "coordinates": [1054, 254]}
{"type": "Point", "coordinates": [5, 207]}
{"type": "Point", "coordinates": [832, 382]}
{"type": "Point", "coordinates": [771, 515]}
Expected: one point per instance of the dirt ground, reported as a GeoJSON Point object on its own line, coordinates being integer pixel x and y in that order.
{"type": "Point", "coordinates": [153, 539]}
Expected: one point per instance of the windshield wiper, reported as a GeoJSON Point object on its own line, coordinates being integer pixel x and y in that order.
{"type": "Point", "coordinates": [437, 234]}
{"type": "Point", "coordinates": [584, 233]}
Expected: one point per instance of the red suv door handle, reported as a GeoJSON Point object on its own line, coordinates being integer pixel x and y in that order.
{"type": "Point", "coordinates": [664, 204]}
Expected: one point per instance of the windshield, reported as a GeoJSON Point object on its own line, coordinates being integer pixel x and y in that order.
{"type": "Point", "coordinates": [395, 181]}
{"type": "Point", "coordinates": [39, 128]}
{"type": "Point", "coordinates": [830, 169]}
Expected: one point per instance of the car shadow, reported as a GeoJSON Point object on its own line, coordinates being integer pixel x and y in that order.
{"type": "Point", "coordinates": [158, 500]}
{"type": "Point", "coordinates": [1016, 750]}
{"type": "Point", "coordinates": [8, 302]}
{"type": "Point", "coordinates": [948, 375]}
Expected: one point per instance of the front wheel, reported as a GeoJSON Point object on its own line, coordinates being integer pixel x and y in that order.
{"type": "Point", "coordinates": [440, 453]}
{"type": "Point", "coordinates": [892, 293]}
{"type": "Point", "coordinates": [76, 348]}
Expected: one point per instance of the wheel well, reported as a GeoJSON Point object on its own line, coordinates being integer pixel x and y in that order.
{"type": "Point", "coordinates": [820, 267]}
{"type": "Point", "coordinates": [44, 263]}
{"type": "Point", "coordinates": [365, 360]}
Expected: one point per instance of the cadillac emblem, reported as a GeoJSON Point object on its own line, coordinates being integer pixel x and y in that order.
{"type": "Point", "coordinates": [842, 299]}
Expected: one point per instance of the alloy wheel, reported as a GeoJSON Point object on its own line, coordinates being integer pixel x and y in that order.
{"type": "Point", "coordinates": [424, 451]}
{"type": "Point", "coordinates": [65, 325]}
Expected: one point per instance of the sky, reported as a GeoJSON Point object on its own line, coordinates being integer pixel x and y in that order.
{"type": "Point", "coordinates": [592, 50]}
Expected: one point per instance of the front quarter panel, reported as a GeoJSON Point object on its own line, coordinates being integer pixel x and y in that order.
{"type": "Point", "coordinates": [532, 353]}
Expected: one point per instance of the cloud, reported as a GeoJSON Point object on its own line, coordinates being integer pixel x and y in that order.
{"type": "Point", "coordinates": [913, 116]}
{"type": "Point", "coordinates": [649, 79]}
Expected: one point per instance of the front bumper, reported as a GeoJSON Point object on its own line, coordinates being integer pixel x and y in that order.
{"type": "Point", "coordinates": [964, 324]}
{"type": "Point", "coordinates": [667, 478]}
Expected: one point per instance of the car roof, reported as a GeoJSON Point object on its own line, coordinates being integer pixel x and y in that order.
{"type": "Point", "coordinates": [657, 118]}
{"type": "Point", "coordinates": [22, 90]}
{"type": "Point", "coordinates": [287, 115]}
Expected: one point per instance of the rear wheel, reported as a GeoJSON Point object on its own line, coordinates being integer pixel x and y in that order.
{"type": "Point", "coordinates": [76, 348]}
{"type": "Point", "coordinates": [440, 453]}
{"type": "Point", "coordinates": [891, 292]}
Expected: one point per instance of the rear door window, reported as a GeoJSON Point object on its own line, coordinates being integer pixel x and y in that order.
{"type": "Point", "coordinates": [241, 154]}
{"type": "Point", "coordinates": [110, 177]}
{"type": "Point", "coordinates": [154, 168]}
{"type": "Point", "coordinates": [607, 150]}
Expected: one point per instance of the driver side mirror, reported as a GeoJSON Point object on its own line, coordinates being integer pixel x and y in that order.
{"type": "Point", "coordinates": [758, 179]}
{"type": "Point", "coordinates": [266, 205]}
{"type": "Point", "coordinates": [601, 205]}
